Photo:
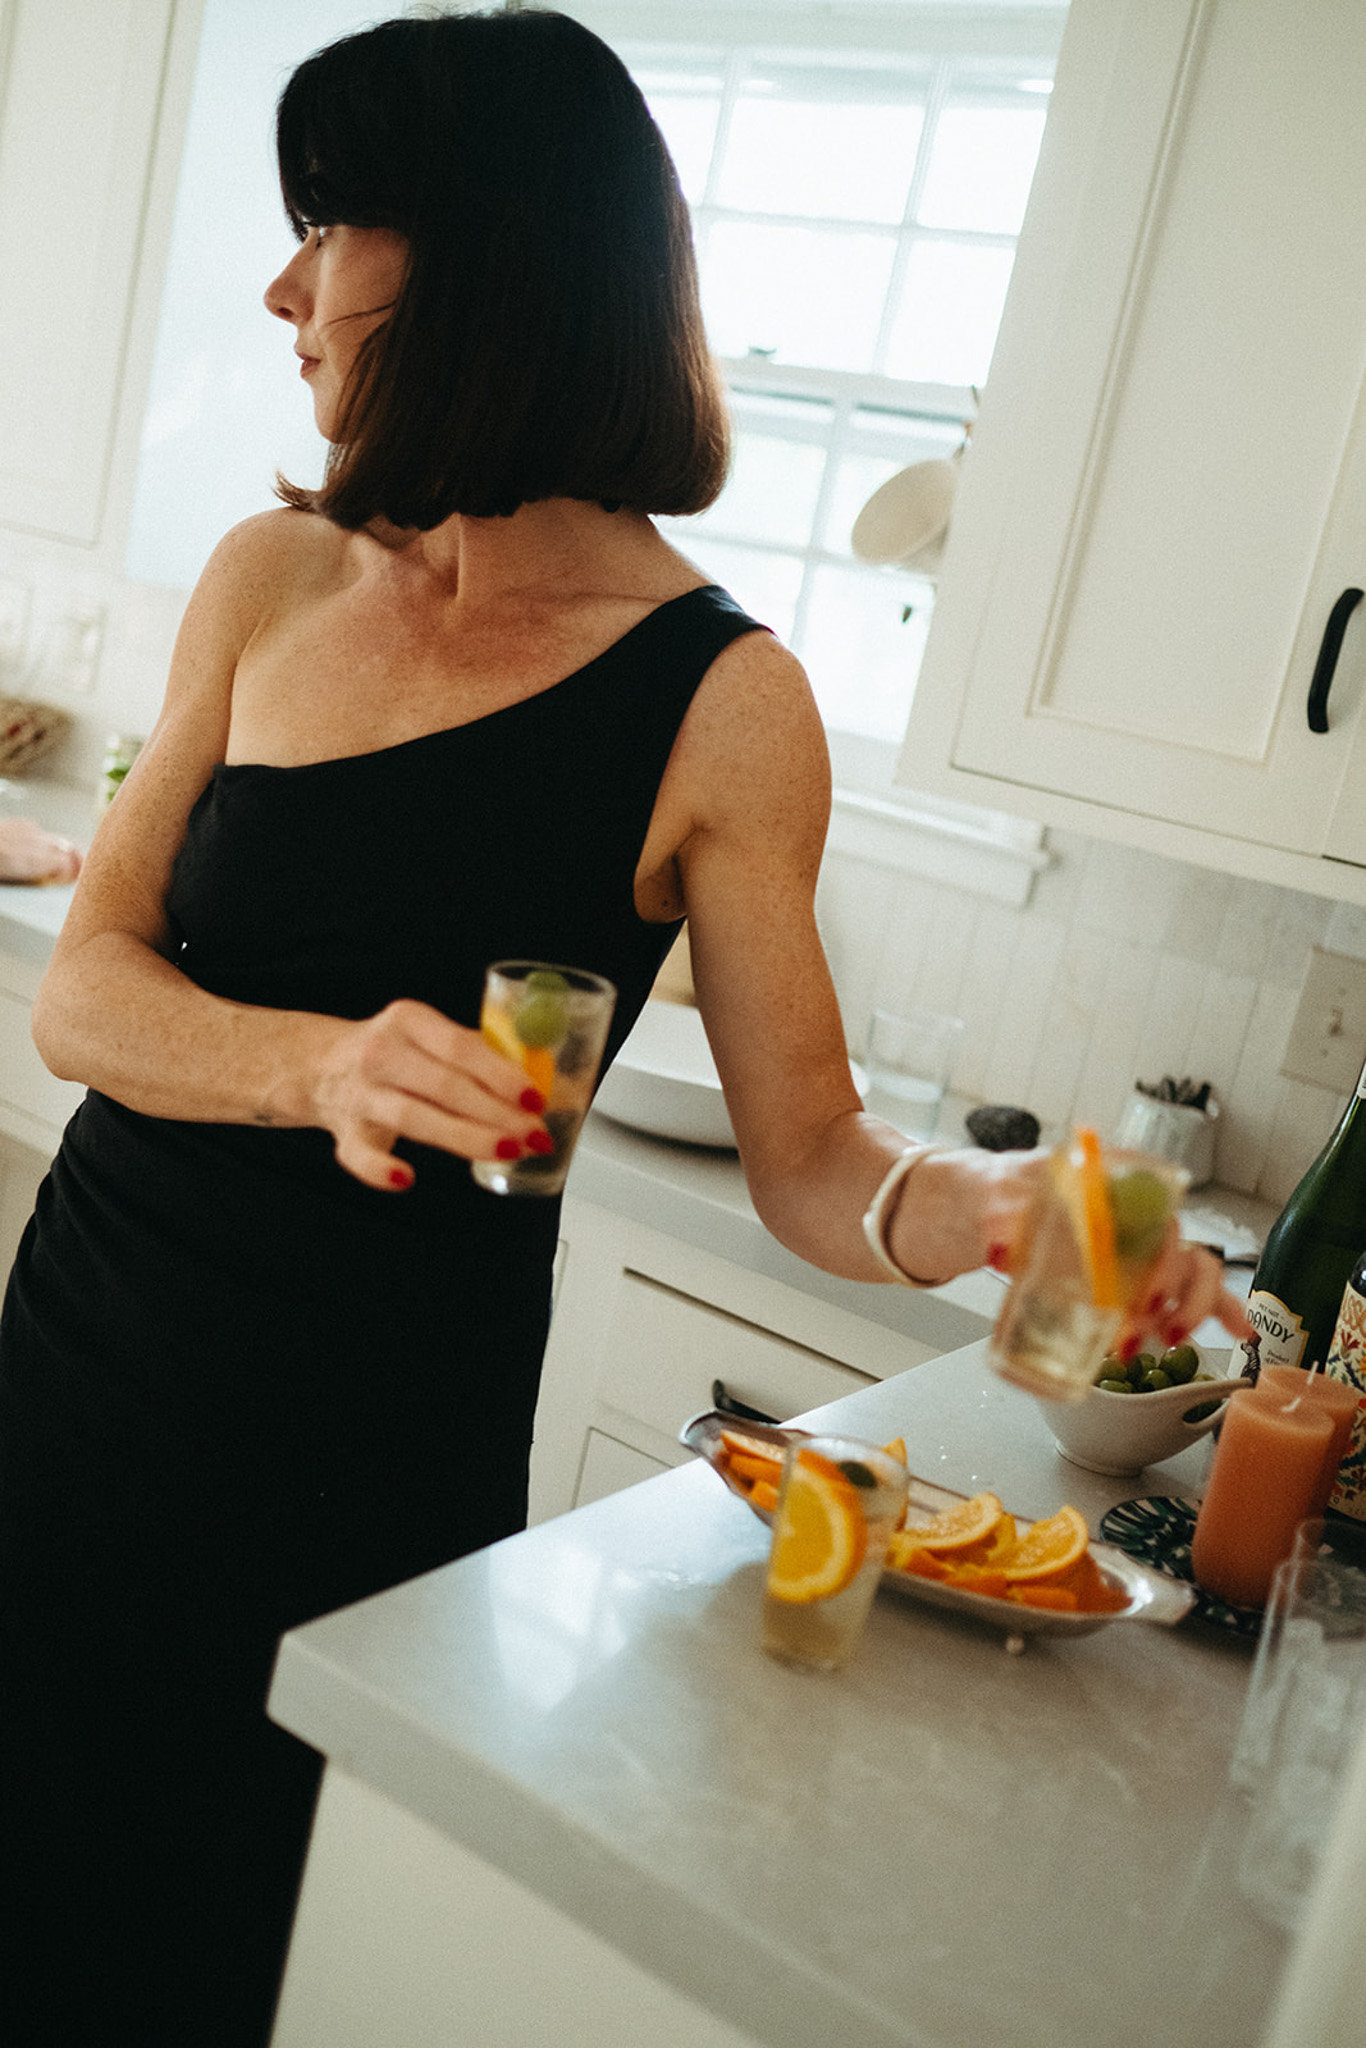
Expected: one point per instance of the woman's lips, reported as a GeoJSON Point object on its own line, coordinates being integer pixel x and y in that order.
{"type": "Point", "coordinates": [307, 365]}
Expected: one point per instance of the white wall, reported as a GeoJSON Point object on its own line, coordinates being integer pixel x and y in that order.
{"type": "Point", "coordinates": [1124, 966]}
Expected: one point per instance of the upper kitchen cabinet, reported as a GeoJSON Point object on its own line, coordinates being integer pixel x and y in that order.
{"type": "Point", "coordinates": [92, 96]}
{"type": "Point", "coordinates": [1166, 494]}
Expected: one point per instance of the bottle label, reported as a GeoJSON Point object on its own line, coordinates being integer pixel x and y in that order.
{"type": "Point", "coordinates": [1347, 1362]}
{"type": "Point", "coordinates": [1280, 1338]}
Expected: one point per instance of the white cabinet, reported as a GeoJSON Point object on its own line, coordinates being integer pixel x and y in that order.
{"type": "Point", "coordinates": [34, 1104]}
{"type": "Point", "coordinates": [1166, 496]}
{"type": "Point", "coordinates": [644, 1324]}
{"type": "Point", "coordinates": [87, 116]}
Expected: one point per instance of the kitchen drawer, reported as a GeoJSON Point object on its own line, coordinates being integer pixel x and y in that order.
{"type": "Point", "coordinates": [609, 1465]}
{"type": "Point", "coordinates": [664, 1349]}
{"type": "Point", "coordinates": [34, 1104]}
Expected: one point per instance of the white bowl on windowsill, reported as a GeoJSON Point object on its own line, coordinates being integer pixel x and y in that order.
{"type": "Point", "coordinates": [664, 1080]}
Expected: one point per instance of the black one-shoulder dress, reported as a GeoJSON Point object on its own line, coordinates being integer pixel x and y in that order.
{"type": "Point", "coordinates": [237, 1388]}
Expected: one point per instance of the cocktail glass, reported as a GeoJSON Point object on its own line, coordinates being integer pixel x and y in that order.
{"type": "Point", "coordinates": [838, 1506]}
{"type": "Point", "coordinates": [553, 1021]}
{"type": "Point", "coordinates": [1086, 1259]}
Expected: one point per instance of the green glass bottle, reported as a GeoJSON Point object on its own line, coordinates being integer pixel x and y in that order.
{"type": "Point", "coordinates": [1310, 1253]}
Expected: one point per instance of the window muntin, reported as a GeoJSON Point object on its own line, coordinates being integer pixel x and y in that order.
{"type": "Point", "coordinates": [855, 215]}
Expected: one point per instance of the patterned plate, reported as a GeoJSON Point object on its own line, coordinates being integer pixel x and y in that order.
{"type": "Point", "coordinates": [1159, 1530]}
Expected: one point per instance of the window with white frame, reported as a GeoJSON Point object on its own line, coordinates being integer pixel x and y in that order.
{"type": "Point", "coordinates": [855, 202]}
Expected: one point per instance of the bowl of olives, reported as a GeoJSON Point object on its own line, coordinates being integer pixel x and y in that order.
{"type": "Point", "coordinates": [1140, 1411]}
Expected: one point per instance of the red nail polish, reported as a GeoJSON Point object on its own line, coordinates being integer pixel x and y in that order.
{"type": "Point", "coordinates": [999, 1256]}
{"type": "Point", "coordinates": [540, 1141]}
{"type": "Point", "coordinates": [532, 1101]}
{"type": "Point", "coordinates": [508, 1148]}
{"type": "Point", "coordinates": [401, 1176]}
{"type": "Point", "coordinates": [1158, 1301]}
{"type": "Point", "coordinates": [1177, 1334]}
{"type": "Point", "coordinates": [1129, 1347]}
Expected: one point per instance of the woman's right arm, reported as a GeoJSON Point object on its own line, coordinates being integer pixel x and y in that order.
{"type": "Point", "coordinates": [115, 1013]}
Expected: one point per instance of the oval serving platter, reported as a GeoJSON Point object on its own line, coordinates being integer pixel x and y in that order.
{"type": "Point", "coordinates": [1149, 1595]}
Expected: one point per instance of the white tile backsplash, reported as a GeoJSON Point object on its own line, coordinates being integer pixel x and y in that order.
{"type": "Point", "coordinates": [1125, 966]}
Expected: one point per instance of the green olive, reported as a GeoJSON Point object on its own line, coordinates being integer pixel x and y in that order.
{"type": "Point", "coordinates": [542, 1019]}
{"type": "Point", "coordinates": [1156, 1380]}
{"type": "Point", "coordinates": [1138, 1368]}
{"type": "Point", "coordinates": [547, 981]}
{"type": "Point", "coordinates": [1140, 1205]}
{"type": "Point", "coordinates": [1180, 1363]}
{"type": "Point", "coordinates": [1112, 1386]}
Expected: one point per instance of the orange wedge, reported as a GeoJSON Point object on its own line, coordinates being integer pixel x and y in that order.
{"type": "Point", "coordinates": [820, 1539]}
{"type": "Point", "coordinates": [956, 1528]}
{"type": "Point", "coordinates": [496, 1028]}
{"type": "Point", "coordinates": [746, 1466]}
{"type": "Point", "coordinates": [1048, 1549]}
{"type": "Point", "coordinates": [896, 1449]}
{"type": "Point", "coordinates": [1079, 1175]}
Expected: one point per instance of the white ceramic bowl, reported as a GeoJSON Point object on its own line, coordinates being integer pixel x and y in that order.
{"type": "Point", "coordinates": [664, 1080]}
{"type": "Point", "coordinates": [1119, 1434]}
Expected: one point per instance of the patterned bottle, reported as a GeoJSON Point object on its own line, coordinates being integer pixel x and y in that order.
{"type": "Point", "coordinates": [1310, 1253]}
{"type": "Point", "coordinates": [1347, 1362]}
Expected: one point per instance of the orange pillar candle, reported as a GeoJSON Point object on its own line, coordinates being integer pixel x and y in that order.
{"type": "Point", "coordinates": [1265, 1480]}
{"type": "Point", "coordinates": [1286, 1382]}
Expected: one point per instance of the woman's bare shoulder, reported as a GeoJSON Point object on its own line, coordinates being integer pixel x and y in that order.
{"type": "Point", "coordinates": [260, 569]}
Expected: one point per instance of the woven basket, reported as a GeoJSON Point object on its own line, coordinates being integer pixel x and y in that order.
{"type": "Point", "coordinates": [27, 731]}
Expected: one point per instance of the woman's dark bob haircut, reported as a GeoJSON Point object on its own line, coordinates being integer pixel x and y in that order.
{"type": "Point", "coordinates": [547, 340]}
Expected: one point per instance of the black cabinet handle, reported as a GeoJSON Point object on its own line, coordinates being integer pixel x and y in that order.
{"type": "Point", "coordinates": [726, 1404]}
{"type": "Point", "coordinates": [1317, 707]}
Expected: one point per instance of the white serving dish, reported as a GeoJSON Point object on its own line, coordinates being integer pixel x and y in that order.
{"type": "Point", "coordinates": [1148, 1595]}
{"type": "Point", "coordinates": [1118, 1434]}
{"type": "Point", "coordinates": [664, 1079]}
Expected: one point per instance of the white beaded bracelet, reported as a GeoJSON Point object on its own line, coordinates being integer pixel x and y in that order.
{"type": "Point", "coordinates": [876, 1217]}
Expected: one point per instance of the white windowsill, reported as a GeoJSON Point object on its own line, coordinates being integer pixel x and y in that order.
{"type": "Point", "coordinates": [998, 860]}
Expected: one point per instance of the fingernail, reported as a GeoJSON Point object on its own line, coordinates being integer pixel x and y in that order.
{"type": "Point", "coordinates": [1129, 1347]}
{"type": "Point", "coordinates": [539, 1141]}
{"type": "Point", "coordinates": [1155, 1304]}
{"type": "Point", "coordinates": [508, 1148]}
{"type": "Point", "coordinates": [401, 1176]}
{"type": "Point", "coordinates": [998, 1255]}
{"type": "Point", "coordinates": [532, 1101]}
{"type": "Point", "coordinates": [1177, 1334]}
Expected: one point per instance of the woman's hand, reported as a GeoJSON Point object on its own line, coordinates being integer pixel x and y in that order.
{"type": "Point", "coordinates": [964, 1209]}
{"type": "Point", "coordinates": [411, 1073]}
{"type": "Point", "coordinates": [1186, 1287]}
{"type": "Point", "coordinates": [29, 854]}
{"type": "Point", "coordinates": [961, 1210]}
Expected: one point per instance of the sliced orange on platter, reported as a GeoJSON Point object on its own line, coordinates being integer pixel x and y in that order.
{"type": "Point", "coordinates": [821, 1540]}
{"type": "Point", "coordinates": [957, 1528]}
{"type": "Point", "coordinates": [1048, 1548]}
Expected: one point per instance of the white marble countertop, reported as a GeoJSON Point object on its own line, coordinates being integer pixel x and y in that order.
{"type": "Point", "coordinates": [943, 1844]}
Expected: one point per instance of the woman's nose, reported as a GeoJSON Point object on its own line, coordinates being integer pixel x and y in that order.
{"type": "Point", "coordinates": [283, 295]}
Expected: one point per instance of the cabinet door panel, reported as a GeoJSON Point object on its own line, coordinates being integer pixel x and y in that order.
{"type": "Point", "coordinates": [664, 1351]}
{"type": "Point", "coordinates": [1190, 486]}
{"type": "Point", "coordinates": [34, 1104]}
{"type": "Point", "coordinates": [77, 123]}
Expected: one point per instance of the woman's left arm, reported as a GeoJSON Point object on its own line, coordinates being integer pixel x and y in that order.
{"type": "Point", "coordinates": [752, 769]}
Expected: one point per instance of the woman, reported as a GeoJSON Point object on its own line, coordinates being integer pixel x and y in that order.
{"type": "Point", "coordinates": [267, 1348]}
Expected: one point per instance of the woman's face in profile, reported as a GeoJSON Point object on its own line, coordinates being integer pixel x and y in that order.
{"type": "Point", "coordinates": [337, 288]}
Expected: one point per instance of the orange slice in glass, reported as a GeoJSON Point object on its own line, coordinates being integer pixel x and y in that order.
{"type": "Point", "coordinates": [957, 1528]}
{"type": "Point", "coordinates": [1079, 1175]}
{"type": "Point", "coordinates": [1049, 1548]}
{"type": "Point", "coordinates": [820, 1539]}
